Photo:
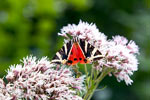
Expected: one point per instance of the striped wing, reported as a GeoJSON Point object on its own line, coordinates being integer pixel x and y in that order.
{"type": "Point", "coordinates": [62, 55]}
{"type": "Point", "coordinates": [90, 52]}
{"type": "Point", "coordinates": [75, 51]}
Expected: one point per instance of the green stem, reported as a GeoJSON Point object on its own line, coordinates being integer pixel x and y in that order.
{"type": "Point", "coordinates": [86, 72]}
{"type": "Point", "coordinates": [92, 72]}
{"type": "Point", "coordinates": [91, 90]}
{"type": "Point", "coordinates": [85, 69]}
{"type": "Point", "coordinates": [100, 78]}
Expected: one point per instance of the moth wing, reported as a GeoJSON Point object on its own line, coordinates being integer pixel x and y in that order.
{"type": "Point", "coordinates": [73, 55]}
{"type": "Point", "coordinates": [76, 55]}
{"type": "Point", "coordinates": [62, 55]}
{"type": "Point", "coordinates": [90, 52]}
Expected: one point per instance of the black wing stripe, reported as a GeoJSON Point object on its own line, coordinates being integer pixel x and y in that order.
{"type": "Point", "coordinates": [90, 48]}
{"type": "Point", "coordinates": [90, 51]}
{"type": "Point", "coordinates": [63, 49]}
{"type": "Point", "coordinates": [86, 47]}
{"type": "Point", "coordinates": [68, 45]}
{"type": "Point", "coordinates": [57, 58]}
{"type": "Point", "coordinates": [97, 53]}
{"type": "Point", "coordinates": [82, 45]}
{"type": "Point", "coordinates": [62, 53]}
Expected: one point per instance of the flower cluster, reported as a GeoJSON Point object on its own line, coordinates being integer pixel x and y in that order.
{"type": "Point", "coordinates": [119, 54]}
{"type": "Point", "coordinates": [84, 31]}
{"type": "Point", "coordinates": [40, 80]}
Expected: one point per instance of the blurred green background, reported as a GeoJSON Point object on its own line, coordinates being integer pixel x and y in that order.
{"type": "Point", "coordinates": [31, 27]}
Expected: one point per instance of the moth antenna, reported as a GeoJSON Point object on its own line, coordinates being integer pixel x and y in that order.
{"type": "Point", "coordinates": [75, 39]}
{"type": "Point", "coordinates": [78, 39]}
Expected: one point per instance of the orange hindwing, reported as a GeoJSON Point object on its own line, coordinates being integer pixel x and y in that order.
{"type": "Point", "coordinates": [76, 55]}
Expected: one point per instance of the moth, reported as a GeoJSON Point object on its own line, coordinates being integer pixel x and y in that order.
{"type": "Point", "coordinates": [77, 51]}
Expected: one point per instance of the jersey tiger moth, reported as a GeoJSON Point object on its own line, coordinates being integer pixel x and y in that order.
{"type": "Point", "coordinates": [77, 51]}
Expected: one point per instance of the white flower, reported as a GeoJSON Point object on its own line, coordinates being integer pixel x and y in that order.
{"type": "Point", "coordinates": [4, 95]}
{"type": "Point", "coordinates": [84, 31]}
{"type": "Point", "coordinates": [121, 58]}
{"type": "Point", "coordinates": [119, 54]}
{"type": "Point", "coordinates": [40, 80]}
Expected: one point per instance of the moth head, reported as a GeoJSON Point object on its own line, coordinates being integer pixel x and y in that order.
{"type": "Point", "coordinates": [64, 61]}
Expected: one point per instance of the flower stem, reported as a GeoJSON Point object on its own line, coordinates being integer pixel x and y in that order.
{"type": "Point", "coordinates": [85, 68]}
{"type": "Point", "coordinates": [92, 68]}
{"type": "Point", "coordinates": [95, 83]}
{"type": "Point", "coordinates": [86, 72]}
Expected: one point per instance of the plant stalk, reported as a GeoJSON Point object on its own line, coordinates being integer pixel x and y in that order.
{"type": "Point", "coordinates": [94, 85]}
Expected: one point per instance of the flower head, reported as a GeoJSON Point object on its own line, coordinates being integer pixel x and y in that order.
{"type": "Point", "coordinates": [122, 58]}
{"type": "Point", "coordinates": [119, 54]}
{"type": "Point", "coordinates": [40, 80]}
{"type": "Point", "coordinates": [84, 31]}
